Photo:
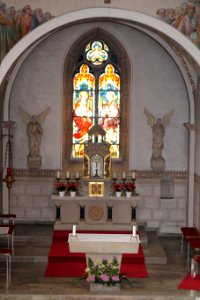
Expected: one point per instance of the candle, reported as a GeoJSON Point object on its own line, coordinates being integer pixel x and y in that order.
{"type": "Point", "coordinates": [114, 175]}
{"type": "Point", "coordinates": [9, 171]}
{"type": "Point", "coordinates": [58, 174]}
{"type": "Point", "coordinates": [77, 174]}
{"type": "Point", "coordinates": [124, 175]}
{"type": "Point", "coordinates": [134, 231]}
{"type": "Point", "coordinates": [133, 175]}
{"type": "Point", "coordinates": [74, 230]}
{"type": "Point", "coordinates": [67, 174]}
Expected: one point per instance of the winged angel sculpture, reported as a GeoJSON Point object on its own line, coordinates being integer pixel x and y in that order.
{"type": "Point", "coordinates": [34, 131]}
{"type": "Point", "coordinates": [158, 130]}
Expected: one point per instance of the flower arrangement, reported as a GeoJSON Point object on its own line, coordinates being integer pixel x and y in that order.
{"type": "Point", "coordinates": [130, 186]}
{"type": "Point", "coordinates": [72, 186]}
{"type": "Point", "coordinates": [118, 187]}
{"type": "Point", "coordinates": [60, 186]}
{"type": "Point", "coordinates": [104, 272]}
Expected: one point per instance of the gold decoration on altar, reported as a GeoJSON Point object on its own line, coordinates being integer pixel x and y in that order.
{"type": "Point", "coordinates": [96, 189]}
{"type": "Point", "coordinates": [96, 212]}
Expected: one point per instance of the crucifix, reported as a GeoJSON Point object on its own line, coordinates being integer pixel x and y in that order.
{"type": "Point", "coordinates": [96, 163]}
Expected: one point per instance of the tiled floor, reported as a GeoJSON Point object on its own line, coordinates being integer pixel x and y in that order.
{"type": "Point", "coordinates": [166, 265]}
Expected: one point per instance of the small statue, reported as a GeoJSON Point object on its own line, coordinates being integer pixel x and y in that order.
{"type": "Point", "coordinates": [34, 133]}
{"type": "Point", "coordinates": [107, 166]}
{"type": "Point", "coordinates": [158, 130]}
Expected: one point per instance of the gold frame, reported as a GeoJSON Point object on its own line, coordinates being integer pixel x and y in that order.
{"type": "Point", "coordinates": [96, 189]}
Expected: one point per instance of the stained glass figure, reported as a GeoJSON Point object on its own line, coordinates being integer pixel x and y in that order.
{"type": "Point", "coordinates": [96, 54]}
{"type": "Point", "coordinates": [83, 108]}
{"type": "Point", "coordinates": [109, 106]}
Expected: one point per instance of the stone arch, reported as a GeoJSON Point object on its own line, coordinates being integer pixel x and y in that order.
{"type": "Point", "coordinates": [129, 18]}
{"type": "Point", "coordinates": [53, 25]}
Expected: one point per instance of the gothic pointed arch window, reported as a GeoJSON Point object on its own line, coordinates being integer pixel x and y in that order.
{"type": "Point", "coordinates": [98, 82]}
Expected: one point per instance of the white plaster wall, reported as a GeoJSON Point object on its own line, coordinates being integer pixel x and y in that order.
{"type": "Point", "coordinates": [155, 84]}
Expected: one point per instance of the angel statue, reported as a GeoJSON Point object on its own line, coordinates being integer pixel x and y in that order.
{"type": "Point", "coordinates": [34, 133]}
{"type": "Point", "coordinates": [158, 130]}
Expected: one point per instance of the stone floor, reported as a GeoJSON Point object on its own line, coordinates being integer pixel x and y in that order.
{"type": "Point", "coordinates": [166, 264]}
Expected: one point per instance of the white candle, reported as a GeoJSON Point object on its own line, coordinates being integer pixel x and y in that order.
{"type": "Point", "coordinates": [74, 230]}
{"type": "Point", "coordinates": [134, 230]}
{"type": "Point", "coordinates": [77, 174]}
{"type": "Point", "coordinates": [133, 175]}
{"type": "Point", "coordinates": [124, 175]}
{"type": "Point", "coordinates": [58, 175]}
{"type": "Point", "coordinates": [67, 174]}
{"type": "Point", "coordinates": [114, 175]}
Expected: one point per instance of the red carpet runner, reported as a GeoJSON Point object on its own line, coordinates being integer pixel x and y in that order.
{"type": "Point", "coordinates": [62, 263]}
{"type": "Point", "coordinates": [190, 283]}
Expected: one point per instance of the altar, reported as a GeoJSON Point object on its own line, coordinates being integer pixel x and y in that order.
{"type": "Point", "coordinates": [94, 213]}
{"type": "Point", "coordinates": [96, 205]}
{"type": "Point", "coordinates": [98, 245]}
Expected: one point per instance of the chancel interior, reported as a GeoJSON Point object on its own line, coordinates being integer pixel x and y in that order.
{"type": "Point", "coordinates": [100, 135]}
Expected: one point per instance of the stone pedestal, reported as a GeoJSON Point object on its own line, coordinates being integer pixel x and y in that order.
{"type": "Point", "coordinates": [158, 164]}
{"type": "Point", "coordinates": [34, 162]}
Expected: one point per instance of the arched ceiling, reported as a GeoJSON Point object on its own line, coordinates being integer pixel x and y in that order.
{"type": "Point", "coordinates": [134, 19]}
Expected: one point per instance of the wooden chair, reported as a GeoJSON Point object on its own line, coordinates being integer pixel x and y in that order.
{"type": "Point", "coordinates": [192, 236]}
{"type": "Point", "coordinates": [195, 262]}
{"type": "Point", "coordinates": [7, 218]}
{"type": "Point", "coordinates": [7, 252]}
{"type": "Point", "coordinates": [7, 227]}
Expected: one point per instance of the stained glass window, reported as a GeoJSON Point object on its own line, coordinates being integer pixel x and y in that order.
{"type": "Point", "coordinates": [96, 98]}
{"type": "Point", "coordinates": [96, 52]}
{"type": "Point", "coordinates": [109, 107]}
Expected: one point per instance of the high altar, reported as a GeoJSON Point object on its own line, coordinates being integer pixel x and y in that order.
{"type": "Point", "coordinates": [95, 206]}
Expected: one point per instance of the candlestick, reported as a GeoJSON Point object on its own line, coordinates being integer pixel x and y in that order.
{"type": "Point", "coordinates": [77, 174]}
{"type": "Point", "coordinates": [74, 230]}
{"type": "Point", "coordinates": [134, 231]}
{"type": "Point", "coordinates": [124, 175]}
{"type": "Point", "coordinates": [67, 174]}
{"type": "Point", "coordinates": [58, 174]}
{"type": "Point", "coordinates": [114, 175]}
{"type": "Point", "coordinates": [133, 176]}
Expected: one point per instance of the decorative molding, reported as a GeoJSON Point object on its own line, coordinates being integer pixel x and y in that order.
{"type": "Point", "coordinates": [96, 212]}
{"type": "Point", "coordinates": [189, 126]}
{"type": "Point", "coordinates": [144, 174]}
{"type": "Point", "coordinates": [182, 175]}
{"type": "Point", "coordinates": [184, 63]}
{"type": "Point", "coordinates": [34, 173]}
{"type": "Point", "coordinates": [8, 124]}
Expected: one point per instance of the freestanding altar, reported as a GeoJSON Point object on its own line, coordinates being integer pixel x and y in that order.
{"type": "Point", "coordinates": [97, 245]}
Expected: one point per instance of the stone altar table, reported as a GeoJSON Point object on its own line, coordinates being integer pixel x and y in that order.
{"type": "Point", "coordinates": [109, 245]}
{"type": "Point", "coordinates": [105, 213]}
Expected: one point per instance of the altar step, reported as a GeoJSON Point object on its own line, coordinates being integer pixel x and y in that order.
{"type": "Point", "coordinates": [33, 245]}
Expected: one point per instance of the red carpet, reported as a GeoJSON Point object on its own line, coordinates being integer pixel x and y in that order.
{"type": "Point", "coordinates": [62, 263]}
{"type": "Point", "coordinates": [190, 283]}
